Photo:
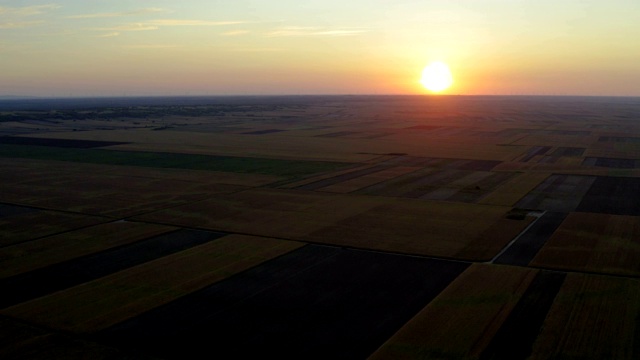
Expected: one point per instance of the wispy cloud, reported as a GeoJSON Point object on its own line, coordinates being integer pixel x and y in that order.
{"type": "Point", "coordinates": [27, 10]}
{"type": "Point", "coordinates": [314, 31]}
{"type": "Point", "coordinates": [111, 34]}
{"type": "Point", "coordinates": [253, 49]}
{"type": "Point", "coordinates": [152, 46]}
{"type": "Point", "coordinates": [118, 14]}
{"type": "Point", "coordinates": [158, 23]}
{"type": "Point", "coordinates": [129, 27]}
{"type": "Point", "coordinates": [19, 24]}
{"type": "Point", "coordinates": [181, 22]}
{"type": "Point", "coordinates": [235, 32]}
{"type": "Point", "coordinates": [18, 17]}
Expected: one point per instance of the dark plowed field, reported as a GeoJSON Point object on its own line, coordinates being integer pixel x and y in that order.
{"type": "Point", "coordinates": [612, 195]}
{"type": "Point", "coordinates": [515, 338]}
{"type": "Point", "coordinates": [317, 302]}
{"type": "Point", "coordinates": [529, 243]}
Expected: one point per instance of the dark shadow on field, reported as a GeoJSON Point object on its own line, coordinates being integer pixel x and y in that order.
{"type": "Point", "coordinates": [317, 302]}
{"type": "Point", "coordinates": [612, 195]}
{"type": "Point", "coordinates": [518, 333]}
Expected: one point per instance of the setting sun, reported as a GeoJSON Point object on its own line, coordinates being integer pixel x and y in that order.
{"type": "Point", "coordinates": [436, 77]}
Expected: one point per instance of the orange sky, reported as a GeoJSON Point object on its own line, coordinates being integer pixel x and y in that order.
{"type": "Point", "coordinates": [80, 48]}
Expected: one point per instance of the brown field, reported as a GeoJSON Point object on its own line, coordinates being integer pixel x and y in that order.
{"type": "Point", "coordinates": [20, 228]}
{"type": "Point", "coordinates": [444, 229]}
{"type": "Point", "coordinates": [516, 188]}
{"type": "Point", "coordinates": [108, 194]}
{"type": "Point", "coordinates": [593, 317]}
{"type": "Point", "coordinates": [592, 242]}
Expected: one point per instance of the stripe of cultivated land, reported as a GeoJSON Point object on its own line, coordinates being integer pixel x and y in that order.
{"type": "Point", "coordinates": [295, 183]}
{"type": "Point", "coordinates": [514, 340]}
{"type": "Point", "coordinates": [33, 284]}
{"type": "Point", "coordinates": [534, 151]}
{"type": "Point", "coordinates": [315, 302]}
{"type": "Point", "coordinates": [32, 255]}
{"type": "Point", "coordinates": [348, 176]}
{"type": "Point", "coordinates": [461, 321]}
{"type": "Point", "coordinates": [525, 247]}
{"type": "Point", "coordinates": [103, 302]}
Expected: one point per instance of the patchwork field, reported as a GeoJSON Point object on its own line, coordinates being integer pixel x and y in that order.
{"type": "Point", "coordinates": [392, 227]}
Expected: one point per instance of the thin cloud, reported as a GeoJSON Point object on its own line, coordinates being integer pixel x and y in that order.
{"type": "Point", "coordinates": [152, 46]}
{"type": "Point", "coordinates": [301, 31]}
{"type": "Point", "coordinates": [19, 25]}
{"type": "Point", "coordinates": [180, 22]}
{"type": "Point", "coordinates": [157, 24]}
{"type": "Point", "coordinates": [253, 50]}
{"type": "Point", "coordinates": [27, 10]}
{"type": "Point", "coordinates": [17, 17]}
{"type": "Point", "coordinates": [339, 32]}
{"type": "Point", "coordinates": [118, 14]}
{"type": "Point", "coordinates": [129, 27]}
{"type": "Point", "coordinates": [111, 34]}
{"type": "Point", "coordinates": [235, 33]}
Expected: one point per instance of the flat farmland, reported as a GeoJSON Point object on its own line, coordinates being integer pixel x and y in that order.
{"type": "Point", "coordinates": [32, 225]}
{"type": "Point", "coordinates": [593, 317]}
{"type": "Point", "coordinates": [383, 227]}
{"type": "Point", "coordinates": [95, 305]}
{"type": "Point", "coordinates": [593, 242]}
{"type": "Point", "coordinates": [461, 322]}
{"type": "Point", "coordinates": [53, 249]}
{"type": "Point", "coordinates": [444, 229]}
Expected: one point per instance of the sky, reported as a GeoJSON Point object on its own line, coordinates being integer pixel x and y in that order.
{"type": "Point", "coordinates": [258, 47]}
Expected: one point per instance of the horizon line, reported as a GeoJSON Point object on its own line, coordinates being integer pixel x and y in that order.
{"type": "Point", "coordinates": [55, 97]}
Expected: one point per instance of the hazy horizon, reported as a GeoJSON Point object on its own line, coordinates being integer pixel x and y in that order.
{"type": "Point", "coordinates": [71, 48]}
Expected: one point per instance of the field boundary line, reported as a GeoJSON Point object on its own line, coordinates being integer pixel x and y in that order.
{"type": "Point", "coordinates": [537, 215]}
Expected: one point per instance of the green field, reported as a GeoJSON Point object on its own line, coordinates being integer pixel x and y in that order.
{"type": "Point", "coordinates": [288, 168]}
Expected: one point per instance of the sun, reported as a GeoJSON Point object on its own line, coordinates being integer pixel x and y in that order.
{"type": "Point", "coordinates": [436, 77]}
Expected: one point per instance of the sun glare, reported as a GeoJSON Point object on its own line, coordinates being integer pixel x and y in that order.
{"type": "Point", "coordinates": [436, 77]}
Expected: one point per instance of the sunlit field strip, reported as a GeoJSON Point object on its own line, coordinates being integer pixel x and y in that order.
{"type": "Point", "coordinates": [462, 320]}
{"type": "Point", "coordinates": [66, 274]}
{"type": "Point", "coordinates": [106, 301]}
{"type": "Point", "coordinates": [32, 255]}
